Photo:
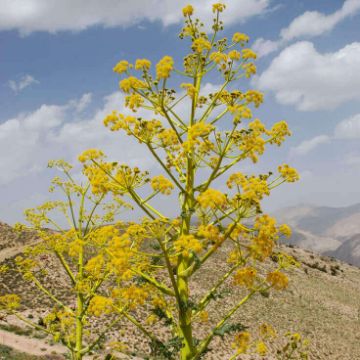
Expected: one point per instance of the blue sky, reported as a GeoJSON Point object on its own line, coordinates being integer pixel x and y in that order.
{"type": "Point", "coordinates": [57, 84]}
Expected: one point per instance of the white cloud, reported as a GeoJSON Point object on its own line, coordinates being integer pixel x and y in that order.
{"type": "Point", "coordinates": [81, 104]}
{"type": "Point", "coordinates": [314, 23]}
{"type": "Point", "coordinates": [75, 15]}
{"type": "Point", "coordinates": [308, 24]}
{"type": "Point", "coordinates": [348, 128]}
{"type": "Point", "coordinates": [58, 131]}
{"type": "Point", "coordinates": [309, 145]}
{"type": "Point", "coordinates": [265, 47]}
{"type": "Point", "coordinates": [23, 83]}
{"type": "Point", "coordinates": [303, 77]}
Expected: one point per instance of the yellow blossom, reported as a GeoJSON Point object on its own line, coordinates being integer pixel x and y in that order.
{"type": "Point", "coordinates": [277, 280]}
{"type": "Point", "coordinates": [90, 154]}
{"type": "Point", "coordinates": [130, 83]}
{"type": "Point", "coordinates": [142, 64]}
{"type": "Point", "coordinates": [186, 244]}
{"type": "Point", "coordinates": [261, 348]}
{"type": "Point", "coordinates": [242, 342]}
{"type": "Point", "coordinates": [288, 173]}
{"type": "Point", "coordinates": [285, 230]}
{"type": "Point", "coordinates": [248, 54]}
{"type": "Point", "coordinates": [250, 69]}
{"type": "Point", "coordinates": [278, 132]}
{"type": "Point", "coordinates": [168, 137]}
{"type": "Point", "coordinates": [210, 232]}
{"type": "Point", "coordinates": [164, 67]}
{"type": "Point", "coordinates": [134, 101]}
{"type": "Point", "coordinates": [255, 97]}
{"type": "Point", "coordinates": [220, 7]}
{"type": "Point", "coordinates": [212, 199]}
{"type": "Point", "coordinates": [245, 277]}
{"type": "Point", "coordinates": [200, 129]}
{"type": "Point", "coordinates": [240, 38]}
{"type": "Point", "coordinates": [218, 57]}
{"type": "Point", "coordinates": [162, 184]}
{"type": "Point", "coordinates": [9, 302]}
{"type": "Point", "coordinates": [201, 44]}
{"type": "Point", "coordinates": [121, 67]}
{"type": "Point", "coordinates": [188, 10]}
{"type": "Point", "coordinates": [234, 55]}
{"type": "Point", "coordinates": [190, 89]}
{"type": "Point", "coordinates": [100, 305]}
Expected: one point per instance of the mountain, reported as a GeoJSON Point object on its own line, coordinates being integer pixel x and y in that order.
{"type": "Point", "coordinates": [326, 230]}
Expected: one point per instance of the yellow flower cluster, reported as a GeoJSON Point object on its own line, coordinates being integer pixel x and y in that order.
{"type": "Point", "coordinates": [190, 89]}
{"type": "Point", "coordinates": [240, 38]}
{"type": "Point", "coordinates": [134, 295]}
{"type": "Point", "coordinates": [211, 199]}
{"type": "Point", "coordinates": [248, 54]}
{"type": "Point", "coordinates": [277, 280]}
{"type": "Point", "coordinates": [234, 55]}
{"type": "Point", "coordinates": [188, 10]}
{"type": "Point", "coordinates": [261, 348]}
{"type": "Point", "coordinates": [239, 111]}
{"type": "Point", "coordinates": [278, 132]}
{"type": "Point", "coordinates": [100, 305]}
{"type": "Point", "coordinates": [250, 69]}
{"type": "Point", "coordinates": [218, 57]}
{"type": "Point", "coordinates": [162, 184]}
{"type": "Point", "coordinates": [186, 244]}
{"type": "Point", "coordinates": [201, 44]}
{"type": "Point", "coordinates": [200, 129]}
{"type": "Point", "coordinates": [98, 178]}
{"type": "Point", "coordinates": [9, 302]}
{"type": "Point", "coordinates": [168, 137]}
{"type": "Point", "coordinates": [288, 173]}
{"type": "Point", "coordinates": [218, 7]}
{"type": "Point", "coordinates": [142, 64]}
{"type": "Point", "coordinates": [252, 145]}
{"type": "Point", "coordinates": [245, 277]}
{"type": "Point", "coordinates": [131, 83]}
{"type": "Point", "coordinates": [121, 67]}
{"type": "Point", "coordinates": [119, 121]}
{"type": "Point", "coordinates": [134, 101]}
{"type": "Point", "coordinates": [210, 232]}
{"type": "Point", "coordinates": [254, 188]}
{"type": "Point", "coordinates": [255, 97]}
{"type": "Point", "coordinates": [164, 67]}
{"type": "Point", "coordinates": [241, 342]}
{"type": "Point", "coordinates": [285, 230]}
{"type": "Point", "coordinates": [263, 242]}
{"type": "Point", "coordinates": [90, 154]}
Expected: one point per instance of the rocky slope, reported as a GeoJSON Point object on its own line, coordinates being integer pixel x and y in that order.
{"type": "Point", "coordinates": [322, 303]}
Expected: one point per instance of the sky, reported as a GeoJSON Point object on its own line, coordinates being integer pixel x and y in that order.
{"type": "Point", "coordinates": [57, 85]}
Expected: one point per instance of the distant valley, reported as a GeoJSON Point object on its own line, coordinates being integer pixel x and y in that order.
{"type": "Point", "coordinates": [326, 230]}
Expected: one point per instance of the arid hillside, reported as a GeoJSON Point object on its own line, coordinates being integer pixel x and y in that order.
{"type": "Point", "coordinates": [322, 303]}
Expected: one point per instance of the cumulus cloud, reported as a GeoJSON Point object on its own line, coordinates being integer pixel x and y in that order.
{"type": "Point", "coordinates": [22, 83]}
{"type": "Point", "coordinates": [314, 23]}
{"type": "Point", "coordinates": [308, 145]}
{"type": "Point", "coordinates": [303, 77]}
{"type": "Point", "coordinates": [348, 128]}
{"type": "Point", "coordinates": [58, 131]}
{"type": "Point", "coordinates": [307, 25]}
{"type": "Point", "coordinates": [52, 15]}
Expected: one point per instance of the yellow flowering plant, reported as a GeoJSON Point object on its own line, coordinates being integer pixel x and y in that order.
{"type": "Point", "coordinates": [82, 263]}
{"type": "Point", "coordinates": [195, 153]}
{"type": "Point", "coordinates": [113, 267]}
